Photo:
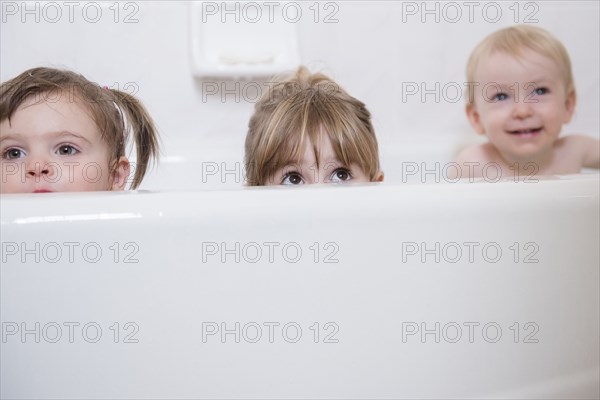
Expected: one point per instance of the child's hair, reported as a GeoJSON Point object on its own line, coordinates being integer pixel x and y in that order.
{"type": "Point", "coordinates": [513, 41]}
{"type": "Point", "coordinates": [301, 107]}
{"type": "Point", "coordinates": [117, 114]}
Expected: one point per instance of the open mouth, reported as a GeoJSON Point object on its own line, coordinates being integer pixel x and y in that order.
{"type": "Point", "coordinates": [526, 132]}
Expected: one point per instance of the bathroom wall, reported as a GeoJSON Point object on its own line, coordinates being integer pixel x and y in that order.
{"type": "Point", "coordinates": [378, 51]}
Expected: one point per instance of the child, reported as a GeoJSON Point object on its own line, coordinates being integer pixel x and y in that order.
{"type": "Point", "coordinates": [59, 132]}
{"type": "Point", "coordinates": [521, 92]}
{"type": "Point", "coordinates": [306, 129]}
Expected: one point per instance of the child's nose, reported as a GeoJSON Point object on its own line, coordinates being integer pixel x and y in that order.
{"type": "Point", "coordinates": [522, 109]}
{"type": "Point", "coordinates": [39, 169]}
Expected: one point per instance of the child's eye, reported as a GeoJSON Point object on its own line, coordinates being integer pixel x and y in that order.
{"type": "Point", "coordinates": [67, 150]}
{"type": "Point", "coordinates": [500, 97]}
{"type": "Point", "coordinates": [540, 91]}
{"type": "Point", "coordinates": [13, 153]}
{"type": "Point", "coordinates": [341, 175]}
{"type": "Point", "coordinates": [292, 178]}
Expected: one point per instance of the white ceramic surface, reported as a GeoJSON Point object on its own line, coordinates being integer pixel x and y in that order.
{"type": "Point", "coordinates": [199, 272]}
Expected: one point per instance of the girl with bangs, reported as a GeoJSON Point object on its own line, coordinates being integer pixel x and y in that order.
{"type": "Point", "coordinates": [306, 129]}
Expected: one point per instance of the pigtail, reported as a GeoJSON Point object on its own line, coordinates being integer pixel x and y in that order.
{"type": "Point", "coordinates": [138, 122]}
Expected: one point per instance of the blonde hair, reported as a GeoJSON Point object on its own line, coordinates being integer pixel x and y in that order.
{"type": "Point", "coordinates": [513, 41]}
{"type": "Point", "coordinates": [302, 107]}
{"type": "Point", "coordinates": [117, 114]}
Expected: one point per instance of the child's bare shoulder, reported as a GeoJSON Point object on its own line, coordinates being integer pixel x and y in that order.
{"type": "Point", "coordinates": [572, 142]}
{"type": "Point", "coordinates": [473, 159]}
{"type": "Point", "coordinates": [575, 146]}
{"type": "Point", "coordinates": [584, 150]}
{"type": "Point", "coordinates": [477, 153]}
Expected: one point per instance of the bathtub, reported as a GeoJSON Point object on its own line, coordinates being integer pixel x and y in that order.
{"type": "Point", "coordinates": [392, 290]}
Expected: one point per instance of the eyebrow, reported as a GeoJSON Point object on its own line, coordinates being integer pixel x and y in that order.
{"type": "Point", "coordinates": [539, 79]}
{"type": "Point", "coordinates": [528, 81]}
{"type": "Point", "coordinates": [58, 134]}
{"type": "Point", "coordinates": [71, 134]}
{"type": "Point", "coordinates": [4, 138]}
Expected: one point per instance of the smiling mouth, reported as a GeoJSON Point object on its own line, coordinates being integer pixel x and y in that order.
{"type": "Point", "coordinates": [530, 131]}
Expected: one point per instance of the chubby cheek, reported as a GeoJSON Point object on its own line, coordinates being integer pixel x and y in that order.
{"type": "Point", "coordinates": [361, 178]}
{"type": "Point", "coordinates": [273, 179]}
{"type": "Point", "coordinates": [482, 117]}
{"type": "Point", "coordinates": [61, 177]}
{"type": "Point", "coordinates": [493, 119]}
{"type": "Point", "coordinates": [15, 179]}
{"type": "Point", "coordinates": [80, 177]}
{"type": "Point", "coordinates": [556, 114]}
{"type": "Point", "coordinates": [86, 177]}
{"type": "Point", "coordinates": [10, 180]}
{"type": "Point", "coordinates": [11, 184]}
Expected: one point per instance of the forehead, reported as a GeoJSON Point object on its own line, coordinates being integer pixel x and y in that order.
{"type": "Point", "coordinates": [530, 65]}
{"type": "Point", "coordinates": [50, 112]}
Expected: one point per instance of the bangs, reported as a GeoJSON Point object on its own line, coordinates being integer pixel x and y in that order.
{"type": "Point", "coordinates": [295, 123]}
{"type": "Point", "coordinates": [351, 136]}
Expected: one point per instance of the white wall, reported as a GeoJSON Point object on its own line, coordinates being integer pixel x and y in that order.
{"type": "Point", "coordinates": [374, 50]}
